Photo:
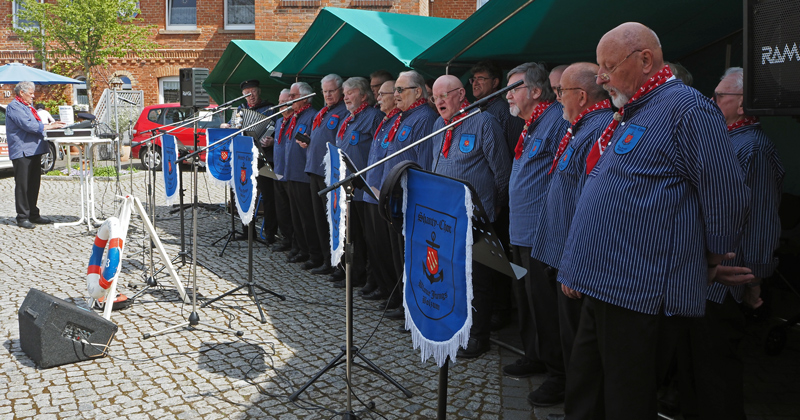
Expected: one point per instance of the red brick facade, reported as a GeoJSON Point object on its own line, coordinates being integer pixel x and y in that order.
{"type": "Point", "coordinates": [275, 20]}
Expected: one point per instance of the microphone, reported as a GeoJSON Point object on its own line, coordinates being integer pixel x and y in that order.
{"type": "Point", "coordinates": [234, 100]}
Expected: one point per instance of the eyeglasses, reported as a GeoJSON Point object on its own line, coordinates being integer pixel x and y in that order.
{"type": "Point", "coordinates": [718, 94]}
{"type": "Point", "coordinates": [514, 91]}
{"type": "Point", "coordinates": [607, 76]}
{"type": "Point", "coordinates": [378, 86]}
{"type": "Point", "coordinates": [400, 89]}
{"type": "Point", "coordinates": [560, 90]}
{"type": "Point", "coordinates": [443, 96]}
{"type": "Point", "coordinates": [479, 79]}
{"type": "Point", "coordinates": [384, 93]}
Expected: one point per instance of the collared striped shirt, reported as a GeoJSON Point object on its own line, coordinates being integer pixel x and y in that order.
{"type": "Point", "coordinates": [322, 135]}
{"type": "Point", "coordinates": [763, 173]}
{"type": "Point", "coordinates": [478, 155]}
{"type": "Point", "coordinates": [565, 188]}
{"type": "Point", "coordinates": [357, 140]}
{"type": "Point", "coordinates": [279, 149]}
{"type": "Point", "coordinates": [667, 190]}
{"type": "Point", "coordinates": [511, 125]}
{"type": "Point", "coordinates": [529, 178]}
{"type": "Point", "coordinates": [296, 155]}
{"type": "Point", "coordinates": [416, 124]}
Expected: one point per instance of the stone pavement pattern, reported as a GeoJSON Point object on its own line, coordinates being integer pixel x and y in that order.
{"type": "Point", "coordinates": [201, 373]}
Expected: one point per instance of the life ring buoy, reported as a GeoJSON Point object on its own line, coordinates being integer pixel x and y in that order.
{"type": "Point", "coordinates": [103, 266]}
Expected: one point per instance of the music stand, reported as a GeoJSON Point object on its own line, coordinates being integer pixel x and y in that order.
{"type": "Point", "coordinates": [348, 351]}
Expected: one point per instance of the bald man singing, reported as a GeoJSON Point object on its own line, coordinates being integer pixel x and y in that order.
{"type": "Point", "coordinates": [664, 202]}
{"type": "Point", "coordinates": [475, 152]}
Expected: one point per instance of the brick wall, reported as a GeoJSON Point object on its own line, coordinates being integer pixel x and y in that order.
{"type": "Point", "coordinates": [453, 9]}
{"type": "Point", "coordinates": [276, 20]}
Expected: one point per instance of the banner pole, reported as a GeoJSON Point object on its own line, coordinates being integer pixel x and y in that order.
{"type": "Point", "coordinates": [441, 408]}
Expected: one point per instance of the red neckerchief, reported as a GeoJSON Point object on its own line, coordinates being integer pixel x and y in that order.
{"type": "Point", "coordinates": [537, 112]}
{"type": "Point", "coordinates": [448, 135]}
{"type": "Point", "coordinates": [349, 118]}
{"type": "Point", "coordinates": [567, 137]}
{"type": "Point", "coordinates": [599, 147]}
{"type": "Point", "coordinates": [388, 117]}
{"type": "Point", "coordinates": [396, 125]}
{"type": "Point", "coordinates": [35, 114]}
{"type": "Point", "coordinates": [283, 125]}
{"type": "Point", "coordinates": [320, 114]}
{"type": "Point", "coordinates": [294, 118]}
{"type": "Point", "coordinates": [743, 123]}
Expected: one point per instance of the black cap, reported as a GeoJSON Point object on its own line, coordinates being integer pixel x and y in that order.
{"type": "Point", "coordinates": [249, 84]}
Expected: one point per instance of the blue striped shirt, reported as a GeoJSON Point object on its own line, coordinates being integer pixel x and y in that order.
{"type": "Point", "coordinates": [667, 190]}
{"type": "Point", "coordinates": [565, 188]}
{"type": "Point", "coordinates": [511, 125]}
{"type": "Point", "coordinates": [278, 150]}
{"type": "Point", "coordinates": [416, 124]}
{"type": "Point", "coordinates": [478, 155]}
{"type": "Point", "coordinates": [357, 139]}
{"type": "Point", "coordinates": [296, 155]}
{"type": "Point", "coordinates": [324, 134]}
{"type": "Point", "coordinates": [763, 173]}
{"type": "Point", "coordinates": [529, 179]}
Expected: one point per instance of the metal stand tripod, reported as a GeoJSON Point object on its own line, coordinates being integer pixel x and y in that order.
{"type": "Point", "coordinates": [348, 350]}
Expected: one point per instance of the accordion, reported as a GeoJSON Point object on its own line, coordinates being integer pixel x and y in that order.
{"type": "Point", "coordinates": [260, 124]}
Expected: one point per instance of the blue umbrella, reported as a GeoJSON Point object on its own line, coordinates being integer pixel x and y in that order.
{"type": "Point", "coordinates": [16, 72]}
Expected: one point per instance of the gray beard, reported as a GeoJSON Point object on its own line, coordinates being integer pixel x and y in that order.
{"type": "Point", "coordinates": [514, 110]}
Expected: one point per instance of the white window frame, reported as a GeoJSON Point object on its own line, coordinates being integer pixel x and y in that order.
{"type": "Point", "coordinates": [161, 86]}
{"type": "Point", "coordinates": [481, 3]}
{"type": "Point", "coordinates": [251, 26]}
{"type": "Point", "coordinates": [14, 8]}
{"type": "Point", "coordinates": [179, 27]}
{"type": "Point", "coordinates": [75, 88]}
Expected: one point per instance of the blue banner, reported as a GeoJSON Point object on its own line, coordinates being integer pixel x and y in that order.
{"type": "Point", "coordinates": [438, 263]}
{"type": "Point", "coordinates": [244, 175]}
{"type": "Point", "coordinates": [218, 158]}
{"type": "Point", "coordinates": [169, 166]}
{"type": "Point", "coordinates": [335, 171]}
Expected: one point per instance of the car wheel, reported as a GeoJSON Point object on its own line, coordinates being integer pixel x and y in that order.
{"type": "Point", "coordinates": [49, 158]}
{"type": "Point", "coordinates": [151, 155]}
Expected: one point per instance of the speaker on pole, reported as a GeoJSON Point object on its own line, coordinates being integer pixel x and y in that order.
{"type": "Point", "coordinates": [52, 331]}
{"type": "Point", "coordinates": [191, 84]}
{"type": "Point", "coordinates": [772, 57]}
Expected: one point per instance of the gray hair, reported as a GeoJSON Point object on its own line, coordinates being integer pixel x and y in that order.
{"type": "Point", "coordinates": [333, 77]}
{"type": "Point", "coordinates": [417, 80]}
{"type": "Point", "coordinates": [285, 92]}
{"type": "Point", "coordinates": [304, 88]}
{"type": "Point", "coordinates": [363, 87]}
{"type": "Point", "coordinates": [584, 74]}
{"type": "Point", "coordinates": [738, 76]}
{"type": "Point", "coordinates": [24, 87]}
{"type": "Point", "coordinates": [535, 76]}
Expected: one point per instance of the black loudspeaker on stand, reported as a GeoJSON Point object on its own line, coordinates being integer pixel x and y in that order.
{"type": "Point", "coordinates": [55, 332]}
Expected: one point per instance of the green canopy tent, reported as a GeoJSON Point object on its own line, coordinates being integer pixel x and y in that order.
{"type": "Point", "coordinates": [515, 31]}
{"type": "Point", "coordinates": [245, 60]}
{"type": "Point", "coordinates": [352, 42]}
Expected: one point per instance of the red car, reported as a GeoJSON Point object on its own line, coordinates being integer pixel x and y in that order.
{"type": "Point", "coordinates": [166, 117]}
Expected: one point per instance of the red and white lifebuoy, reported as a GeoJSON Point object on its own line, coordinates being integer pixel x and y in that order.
{"type": "Point", "coordinates": [103, 266]}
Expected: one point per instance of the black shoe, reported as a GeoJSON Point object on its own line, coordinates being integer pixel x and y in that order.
{"type": "Point", "coordinates": [310, 265]}
{"type": "Point", "coordinates": [378, 294]}
{"type": "Point", "coordinates": [550, 393]}
{"type": "Point", "coordinates": [338, 274]}
{"type": "Point", "coordinates": [279, 247]}
{"type": "Point", "coordinates": [41, 220]}
{"type": "Point", "coordinates": [324, 269]}
{"type": "Point", "coordinates": [474, 349]}
{"type": "Point", "coordinates": [25, 224]}
{"type": "Point", "coordinates": [270, 239]}
{"type": "Point", "coordinates": [500, 321]}
{"type": "Point", "coordinates": [403, 329]}
{"type": "Point", "coordinates": [524, 368]}
{"type": "Point", "coordinates": [339, 284]}
{"type": "Point", "coordinates": [298, 258]}
{"type": "Point", "coordinates": [293, 252]}
{"type": "Point", "coordinates": [368, 288]}
{"type": "Point", "coordinates": [556, 416]}
{"type": "Point", "coordinates": [398, 314]}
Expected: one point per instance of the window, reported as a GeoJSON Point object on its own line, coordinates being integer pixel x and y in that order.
{"type": "Point", "coordinates": [176, 115]}
{"type": "Point", "coordinates": [126, 83]}
{"type": "Point", "coordinates": [181, 14]}
{"type": "Point", "coordinates": [20, 23]}
{"type": "Point", "coordinates": [168, 90]}
{"type": "Point", "coordinates": [481, 3]}
{"type": "Point", "coordinates": [79, 92]}
{"type": "Point", "coordinates": [240, 14]}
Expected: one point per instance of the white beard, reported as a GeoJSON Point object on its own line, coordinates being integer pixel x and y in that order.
{"type": "Point", "coordinates": [514, 110]}
{"type": "Point", "coordinates": [619, 100]}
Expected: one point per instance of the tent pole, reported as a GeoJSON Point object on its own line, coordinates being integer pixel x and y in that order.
{"type": "Point", "coordinates": [320, 49]}
{"type": "Point", "coordinates": [490, 31]}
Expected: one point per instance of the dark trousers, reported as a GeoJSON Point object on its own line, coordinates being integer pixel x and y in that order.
{"type": "Point", "coordinates": [520, 255]}
{"type": "Point", "coordinates": [283, 212]}
{"type": "Point", "coordinates": [319, 216]}
{"type": "Point", "coordinates": [358, 232]}
{"type": "Point", "coordinates": [27, 179]}
{"type": "Point", "coordinates": [612, 370]}
{"type": "Point", "coordinates": [398, 244]}
{"type": "Point", "coordinates": [569, 315]}
{"type": "Point", "coordinates": [267, 191]}
{"type": "Point", "coordinates": [380, 248]}
{"type": "Point", "coordinates": [502, 289]}
{"type": "Point", "coordinates": [481, 301]}
{"type": "Point", "coordinates": [303, 219]}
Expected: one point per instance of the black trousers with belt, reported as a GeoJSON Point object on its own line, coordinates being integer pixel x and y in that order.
{"type": "Point", "coordinates": [27, 179]}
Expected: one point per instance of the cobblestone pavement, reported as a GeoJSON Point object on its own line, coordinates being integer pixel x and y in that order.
{"type": "Point", "coordinates": [202, 373]}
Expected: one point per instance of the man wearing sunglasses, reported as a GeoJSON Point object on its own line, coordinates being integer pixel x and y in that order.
{"type": "Point", "coordinates": [663, 204]}
{"type": "Point", "coordinates": [474, 151]}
